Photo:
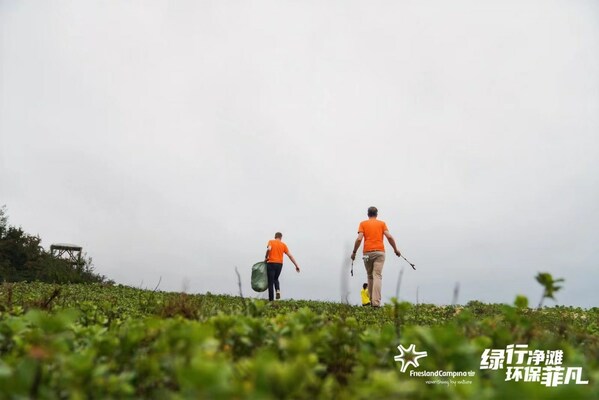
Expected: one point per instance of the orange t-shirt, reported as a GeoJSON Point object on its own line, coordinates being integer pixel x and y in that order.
{"type": "Point", "coordinates": [277, 249]}
{"type": "Point", "coordinates": [373, 234]}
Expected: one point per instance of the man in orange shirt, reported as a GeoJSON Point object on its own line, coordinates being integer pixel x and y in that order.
{"type": "Point", "coordinates": [372, 231]}
{"type": "Point", "coordinates": [274, 263]}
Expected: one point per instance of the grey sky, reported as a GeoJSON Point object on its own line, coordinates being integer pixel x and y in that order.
{"type": "Point", "coordinates": [174, 138]}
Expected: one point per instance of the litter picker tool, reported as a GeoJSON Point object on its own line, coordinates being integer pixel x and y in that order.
{"type": "Point", "coordinates": [413, 267]}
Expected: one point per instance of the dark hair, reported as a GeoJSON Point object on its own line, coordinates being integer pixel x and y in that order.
{"type": "Point", "coordinates": [364, 286]}
{"type": "Point", "coordinates": [278, 235]}
{"type": "Point", "coordinates": [372, 211]}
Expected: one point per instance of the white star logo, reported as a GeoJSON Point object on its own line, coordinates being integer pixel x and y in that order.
{"type": "Point", "coordinates": [409, 356]}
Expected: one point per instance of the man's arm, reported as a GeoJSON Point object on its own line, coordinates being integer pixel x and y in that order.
{"type": "Point", "coordinates": [357, 244]}
{"type": "Point", "coordinates": [266, 255]}
{"type": "Point", "coordinates": [297, 268]}
{"type": "Point", "coordinates": [392, 243]}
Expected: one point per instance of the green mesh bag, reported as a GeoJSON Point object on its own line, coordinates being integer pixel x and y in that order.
{"type": "Point", "coordinates": [259, 277]}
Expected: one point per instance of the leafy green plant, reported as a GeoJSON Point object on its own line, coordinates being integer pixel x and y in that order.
{"type": "Point", "coordinates": [114, 341]}
{"type": "Point", "coordinates": [521, 301]}
{"type": "Point", "coordinates": [549, 286]}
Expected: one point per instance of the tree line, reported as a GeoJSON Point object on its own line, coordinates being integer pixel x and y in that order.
{"type": "Point", "coordinates": [22, 258]}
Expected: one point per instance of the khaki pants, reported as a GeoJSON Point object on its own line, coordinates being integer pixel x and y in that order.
{"type": "Point", "coordinates": [373, 261]}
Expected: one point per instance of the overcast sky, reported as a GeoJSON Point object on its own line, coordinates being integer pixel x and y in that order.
{"type": "Point", "coordinates": [173, 139]}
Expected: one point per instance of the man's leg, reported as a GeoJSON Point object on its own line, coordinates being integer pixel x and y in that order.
{"type": "Point", "coordinates": [270, 272]}
{"type": "Point", "coordinates": [278, 268]}
{"type": "Point", "coordinates": [378, 262]}
{"type": "Point", "coordinates": [368, 264]}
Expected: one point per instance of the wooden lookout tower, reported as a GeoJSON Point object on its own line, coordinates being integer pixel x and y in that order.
{"type": "Point", "coordinates": [68, 252]}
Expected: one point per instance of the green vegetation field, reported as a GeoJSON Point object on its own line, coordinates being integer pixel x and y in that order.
{"type": "Point", "coordinates": [99, 341]}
